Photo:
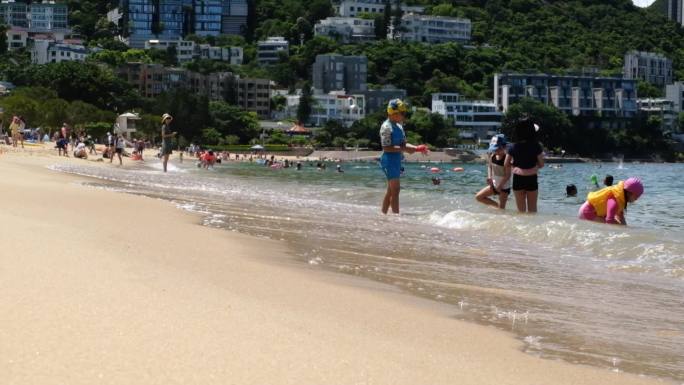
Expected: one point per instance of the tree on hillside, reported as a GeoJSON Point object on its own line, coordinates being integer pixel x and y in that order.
{"type": "Point", "coordinates": [555, 127]}
{"type": "Point", "coordinates": [397, 14]}
{"type": "Point", "coordinates": [305, 104]}
{"type": "Point", "coordinates": [386, 19]}
{"type": "Point", "coordinates": [3, 39]}
{"type": "Point", "coordinates": [231, 121]}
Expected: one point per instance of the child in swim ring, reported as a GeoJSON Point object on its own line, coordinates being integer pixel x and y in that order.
{"type": "Point", "coordinates": [608, 204]}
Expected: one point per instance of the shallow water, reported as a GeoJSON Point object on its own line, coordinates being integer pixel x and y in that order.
{"type": "Point", "coordinates": [583, 292]}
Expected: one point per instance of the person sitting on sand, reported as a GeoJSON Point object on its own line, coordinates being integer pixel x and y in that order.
{"type": "Point", "coordinates": [608, 205]}
{"type": "Point", "coordinates": [498, 176]}
{"type": "Point", "coordinates": [81, 151]}
{"type": "Point", "coordinates": [135, 155]}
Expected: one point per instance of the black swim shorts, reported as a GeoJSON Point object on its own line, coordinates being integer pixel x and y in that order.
{"type": "Point", "coordinates": [525, 183]}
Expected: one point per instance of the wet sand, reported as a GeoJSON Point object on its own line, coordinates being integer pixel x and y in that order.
{"type": "Point", "coordinates": [103, 287]}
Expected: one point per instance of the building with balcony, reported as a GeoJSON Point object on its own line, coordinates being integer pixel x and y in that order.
{"type": "Point", "coordinates": [476, 119]}
{"type": "Point", "coordinates": [434, 29]}
{"type": "Point", "coordinates": [48, 16]}
{"type": "Point", "coordinates": [649, 67]}
{"type": "Point", "coordinates": [352, 8]}
{"type": "Point", "coordinates": [333, 72]}
{"type": "Point", "coordinates": [576, 95]}
{"type": "Point", "coordinates": [36, 16]}
{"type": "Point", "coordinates": [270, 50]}
{"type": "Point", "coordinates": [346, 29]}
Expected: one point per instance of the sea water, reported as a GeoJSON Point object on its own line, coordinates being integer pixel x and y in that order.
{"type": "Point", "coordinates": [609, 296]}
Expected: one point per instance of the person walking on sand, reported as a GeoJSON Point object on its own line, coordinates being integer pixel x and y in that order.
{"type": "Point", "coordinates": [393, 140]}
{"type": "Point", "coordinates": [16, 128]}
{"type": "Point", "coordinates": [525, 157]}
{"type": "Point", "coordinates": [167, 139]}
{"type": "Point", "coordinates": [119, 144]}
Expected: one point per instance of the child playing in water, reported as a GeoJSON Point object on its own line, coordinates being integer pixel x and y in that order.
{"type": "Point", "coordinates": [570, 190]}
{"type": "Point", "coordinates": [496, 173]}
{"type": "Point", "coordinates": [608, 204]}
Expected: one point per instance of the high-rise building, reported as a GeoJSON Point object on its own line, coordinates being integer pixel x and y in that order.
{"type": "Point", "coordinates": [234, 16]}
{"type": "Point", "coordinates": [146, 21]}
{"type": "Point", "coordinates": [649, 67]}
{"type": "Point", "coordinates": [674, 10]}
{"type": "Point", "coordinates": [337, 72]}
{"type": "Point", "coordinates": [207, 17]}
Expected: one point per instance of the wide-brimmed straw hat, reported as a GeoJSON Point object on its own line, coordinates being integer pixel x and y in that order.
{"type": "Point", "coordinates": [166, 116]}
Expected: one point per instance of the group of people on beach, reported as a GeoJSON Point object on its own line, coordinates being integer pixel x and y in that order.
{"type": "Point", "coordinates": [510, 167]}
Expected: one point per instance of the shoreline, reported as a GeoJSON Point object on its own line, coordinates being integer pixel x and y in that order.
{"type": "Point", "coordinates": [145, 311]}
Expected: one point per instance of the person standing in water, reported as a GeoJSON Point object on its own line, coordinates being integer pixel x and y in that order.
{"type": "Point", "coordinates": [496, 173]}
{"type": "Point", "coordinates": [525, 157]}
{"type": "Point", "coordinates": [167, 139]}
{"type": "Point", "coordinates": [393, 141]}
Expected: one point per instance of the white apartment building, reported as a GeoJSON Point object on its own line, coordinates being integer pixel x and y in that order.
{"type": "Point", "coordinates": [346, 29]}
{"type": "Point", "coordinates": [476, 119]}
{"type": "Point", "coordinates": [185, 49]}
{"type": "Point", "coordinates": [435, 29]}
{"type": "Point", "coordinates": [648, 66]}
{"type": "Point", "coordinates": [352, 8]}
{"type": "Point", "coordinates": [335, 105]}
{"type": "Point", "coordinates": [269, 50]}
{"type": "Point", "coordinates": [49, 51]}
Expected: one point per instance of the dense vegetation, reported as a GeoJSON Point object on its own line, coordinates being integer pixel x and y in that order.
{"type": "Point", "coordinates": [518, 35]}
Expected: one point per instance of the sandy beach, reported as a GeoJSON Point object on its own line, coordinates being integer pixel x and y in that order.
{"type": "Point", "coordinates": [104, 287]}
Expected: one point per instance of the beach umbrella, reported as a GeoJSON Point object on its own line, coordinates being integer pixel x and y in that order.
{"type": "Point", "coordinates": [257, 147]}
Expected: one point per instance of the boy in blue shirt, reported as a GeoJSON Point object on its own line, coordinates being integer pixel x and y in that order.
{"type": "Point", "coordinates": [393, 141]}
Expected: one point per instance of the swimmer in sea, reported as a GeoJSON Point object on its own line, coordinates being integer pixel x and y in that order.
{"type": "Point", "coordinates": [608, 180]}
{"type": "Point", "coordinates": [608, 205]}
{"type": "Point", "coordinates": [570, 190]}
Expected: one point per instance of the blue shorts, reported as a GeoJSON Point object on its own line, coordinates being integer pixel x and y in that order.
{"type": "Point", "coordinates": [391, 165]}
